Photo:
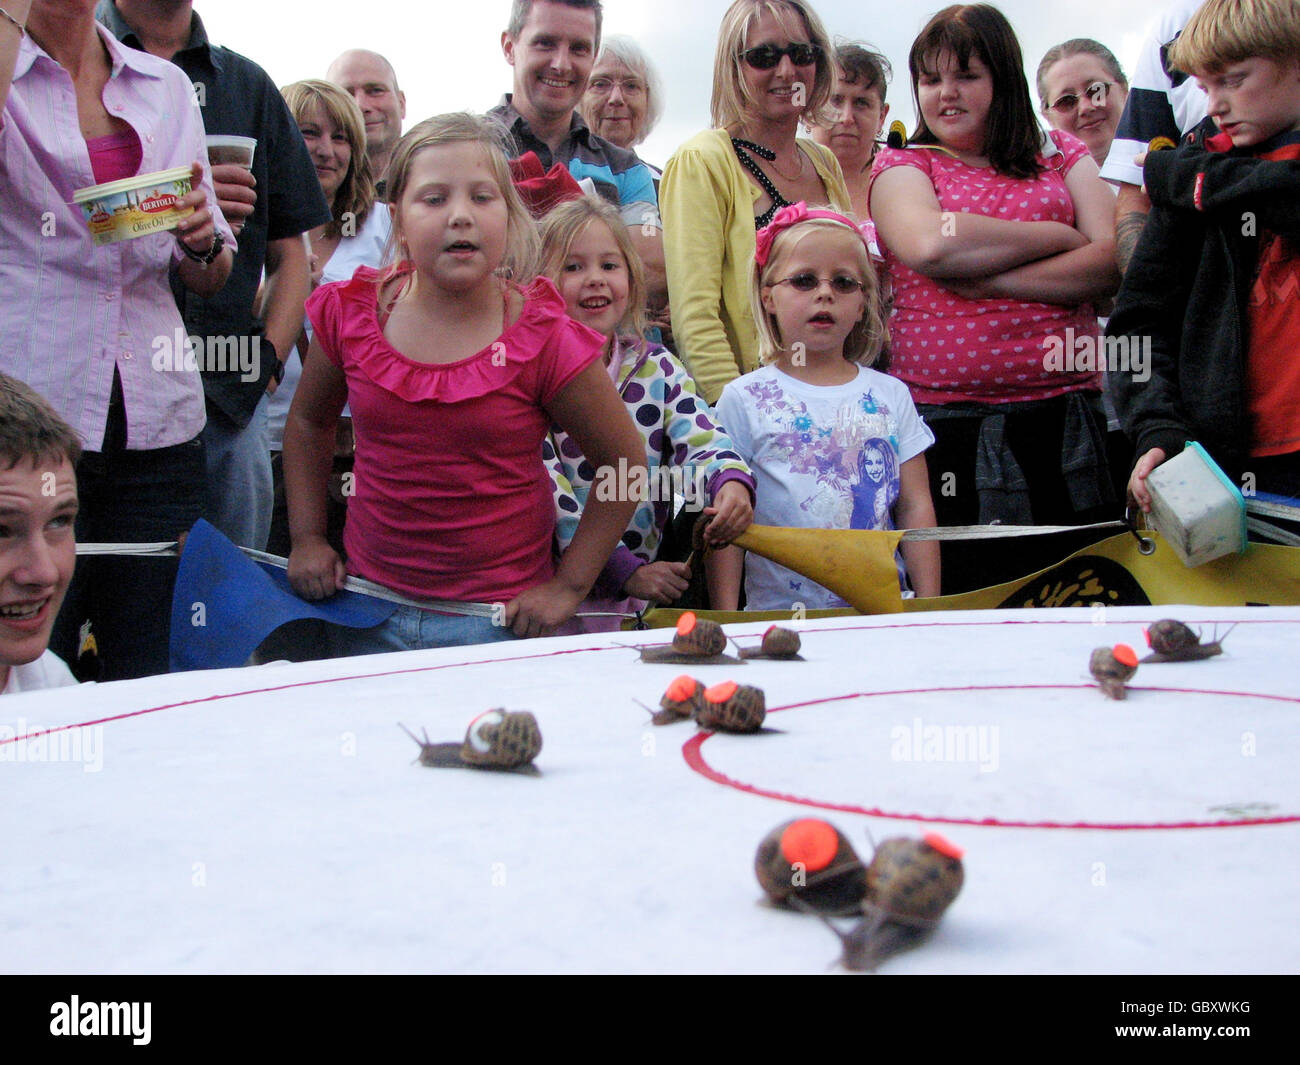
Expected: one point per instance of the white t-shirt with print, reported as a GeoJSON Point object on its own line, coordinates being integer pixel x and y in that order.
{"type": "Point", "coordinates": [824, 457]}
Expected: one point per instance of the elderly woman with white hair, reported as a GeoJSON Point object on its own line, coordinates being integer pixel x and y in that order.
{"type": "Point", "coordinates": [625, 96]}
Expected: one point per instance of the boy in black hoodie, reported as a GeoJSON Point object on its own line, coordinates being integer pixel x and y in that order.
{"type": "Point", "coordinates": [1215, 280]}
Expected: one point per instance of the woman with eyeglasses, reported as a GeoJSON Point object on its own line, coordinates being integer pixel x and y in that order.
{"type": "Point", "coordinates": [998, 241]}
{"type": "Point", "coordinates": [1082, 90]}
{"type": "Point", "coordinates": [773, 69]}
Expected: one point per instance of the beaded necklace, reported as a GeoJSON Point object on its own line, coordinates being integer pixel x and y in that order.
{"type": "Point", "coordinates": [778, 201]}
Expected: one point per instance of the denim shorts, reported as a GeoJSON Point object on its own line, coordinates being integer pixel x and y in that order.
{"type": "Point", "coordinates": [411, 629]}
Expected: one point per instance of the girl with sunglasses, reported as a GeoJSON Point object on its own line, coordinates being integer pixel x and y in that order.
{"type": "Point", "coordinates": [811, 421]}
{"type": "Point", "coordinates": [773, 69]}
{"type": "Point", "coordinates": [998, 242]}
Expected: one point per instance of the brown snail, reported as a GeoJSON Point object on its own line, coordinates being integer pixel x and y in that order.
{"type": "Point", "coordinates": [1113, 667]}
{"type": "Point", "coordinates": [731, 707]}
{"type": "Point", "coordinates": [496, 739]}
{"type": "Point", "coordinates": [910, 883]}
{"type": "Point", "coordinates": [1172, 641]}
{"type": "Point", "coordinates": [777, 643]}
{"type": "Point", "coordinates": [913, 881]}
{"type": "Point", "coordinates": [683, 699]}
{"type": "Point", "coordinates": [696, 640]}
{"type": "Point", "coordinates": [699, 636]}
{"type": "Point", "coordinates": [809, 863]}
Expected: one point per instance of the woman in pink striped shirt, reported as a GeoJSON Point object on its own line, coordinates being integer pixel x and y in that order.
{"type": "Point", "coordinates": [95, 329]}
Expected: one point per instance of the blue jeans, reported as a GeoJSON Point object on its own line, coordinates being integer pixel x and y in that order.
{"type": "Point", "coordinates": [240, 493]}
{"type": "Point", "coordinates": [128, 497]}
{"type": "Point", "coordinates": [412, 629]}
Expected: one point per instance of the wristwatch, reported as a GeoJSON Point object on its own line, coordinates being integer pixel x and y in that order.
{"type": "Point", "coordinates": [218, 242]}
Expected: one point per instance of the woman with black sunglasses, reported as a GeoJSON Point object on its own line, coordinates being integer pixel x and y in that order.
{"type": "Point", "coordinates": [772, 70]}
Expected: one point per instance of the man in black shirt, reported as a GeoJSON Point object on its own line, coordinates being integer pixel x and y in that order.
{"type": "Point", "coordinates": [240, 346]}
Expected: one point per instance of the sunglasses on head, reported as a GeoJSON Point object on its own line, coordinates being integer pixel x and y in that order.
{"type": "Point", "coordinates": [766, 56]}
{"type": "Point", "coordinates": [1096, 92]}
{"type": "Point", "coordinates": [841, 284]}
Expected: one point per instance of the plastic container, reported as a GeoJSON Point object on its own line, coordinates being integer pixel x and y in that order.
{"type": "Point", "coordinates": [1196, 508]}
{"type": "Point", "coordinates": [228, 148]}
{"type": "Point", "coordinates": [136, 206]}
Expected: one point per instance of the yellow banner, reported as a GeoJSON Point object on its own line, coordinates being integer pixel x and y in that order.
{"type": "Point", "coordinates": [858, 565]}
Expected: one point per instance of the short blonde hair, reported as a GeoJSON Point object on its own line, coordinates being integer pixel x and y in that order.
{"type": "Point", "coordinates": [520, 259]}
{"type": "Point", "coordinates": [731, 102]}
{"type": "Point", "coordinates": [866, 339]}
{"type": "Point", "coordinates": [1223, 32]}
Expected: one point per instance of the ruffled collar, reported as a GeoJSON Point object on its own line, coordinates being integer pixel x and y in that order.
{"type": "Point", "coordinates": [487, 370]}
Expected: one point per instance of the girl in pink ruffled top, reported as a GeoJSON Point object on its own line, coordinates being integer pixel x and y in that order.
{"type": "Point", "coordinates": [454, 375]}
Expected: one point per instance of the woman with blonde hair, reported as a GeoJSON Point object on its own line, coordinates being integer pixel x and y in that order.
{"type": "Point", "coordinates": [334, 131]}
{"type": "Point", "coordinates": [772, 71]}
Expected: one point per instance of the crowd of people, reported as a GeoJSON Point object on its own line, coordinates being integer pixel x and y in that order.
{"type": "Point", "coordinates": [461, 362]}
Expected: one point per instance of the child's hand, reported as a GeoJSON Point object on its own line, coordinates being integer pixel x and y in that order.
{"type": "Point", "coordinates": [537, 611]}
{"type": "Point", "coordinates": [315, 569]}
{"type": "Point", "coordinates": [732, 513]}
{"type": "Point", "coordinates": [1137, 483]}
{"type": "Point", "coordinates": [659, 582]}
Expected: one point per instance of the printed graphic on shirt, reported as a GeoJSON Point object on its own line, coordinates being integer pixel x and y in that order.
{"type": "Point", "coordinates": [852, 459]}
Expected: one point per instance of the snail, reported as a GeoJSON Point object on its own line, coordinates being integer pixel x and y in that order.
{"type": "Point", "coordinates": [1113, 667]}
{"type": "Point", "coordinates": [810, 864]}
{"type": "Point", "coordinates": [777, 643]}
{"type": "Point", "coordinates": [683, 699]}
{"type": "Point", "coordinates": [697, 640]}
{"type": "Point", "coordinates": [731, 707]}
{"type": "Point", "coordinates": [910, 883]}
{"type": "Point", "coordinates": [1172, 641]}
{"type": "Point", "coordinates": [496, 739]}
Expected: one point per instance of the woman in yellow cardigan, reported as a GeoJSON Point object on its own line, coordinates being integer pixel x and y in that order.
{"type": "Point", "coordinates": [773, 67]}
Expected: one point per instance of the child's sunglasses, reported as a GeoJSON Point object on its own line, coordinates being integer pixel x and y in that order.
{"type": "Point", "coordinates": [841, 284]}
{"type": "Point", "coordinates": [766, 56]}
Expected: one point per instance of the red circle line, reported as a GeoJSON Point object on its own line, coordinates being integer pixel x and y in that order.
{"type": "Point", "coordinates": [691, 752]}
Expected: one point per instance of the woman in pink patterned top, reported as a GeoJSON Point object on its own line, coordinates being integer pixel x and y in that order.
{"type": "Point", "coordinates": [998, 240]}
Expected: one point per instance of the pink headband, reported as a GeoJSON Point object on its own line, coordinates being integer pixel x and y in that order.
{"type": "Point", "coordinates": [790, 216]}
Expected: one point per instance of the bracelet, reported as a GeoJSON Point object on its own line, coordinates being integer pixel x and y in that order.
{"type": "Point", "coordinates": [5, 15]}
{"type": "Point", "coordinates": [218, 242]}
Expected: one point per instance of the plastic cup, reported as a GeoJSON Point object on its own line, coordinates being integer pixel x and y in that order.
{"type": "Point", "coordinates": [227, 148]}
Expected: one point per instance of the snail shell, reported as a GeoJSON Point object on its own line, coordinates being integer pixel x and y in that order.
{"type": "Point", "coordinates": [913, 881]}
{"type": "Point", "coordinates": [699, 636]}
{"type": "Point", "coordinates": [502, 739]}
{"type": "Point", "coordinates": [1168, 636]}
{"type": "Point", "coordinates": [1113, 667]}
{"type": "Point", "coordinates": [684, 697]}
{"type": "Point", "coordinates": [779, 641]}
{"type": "Point", "coordinates": [732, 707]}
{"type": "Point", "coordinates": [811, 861]}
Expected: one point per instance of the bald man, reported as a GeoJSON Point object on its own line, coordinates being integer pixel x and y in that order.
{"type": "Point", "coordinates": [370, 79]}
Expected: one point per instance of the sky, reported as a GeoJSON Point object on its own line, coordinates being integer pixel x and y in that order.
{"type": "Point", "coordinates": [448, 55]}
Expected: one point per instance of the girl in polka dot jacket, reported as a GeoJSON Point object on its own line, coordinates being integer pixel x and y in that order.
{"type": "Point", "coordinates": [587, 253]}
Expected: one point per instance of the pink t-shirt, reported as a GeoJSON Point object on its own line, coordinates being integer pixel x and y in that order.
{"type": "Point", "coordinates": [452, 500]}
{"type": "Point", "coordinates": [951, 350]}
